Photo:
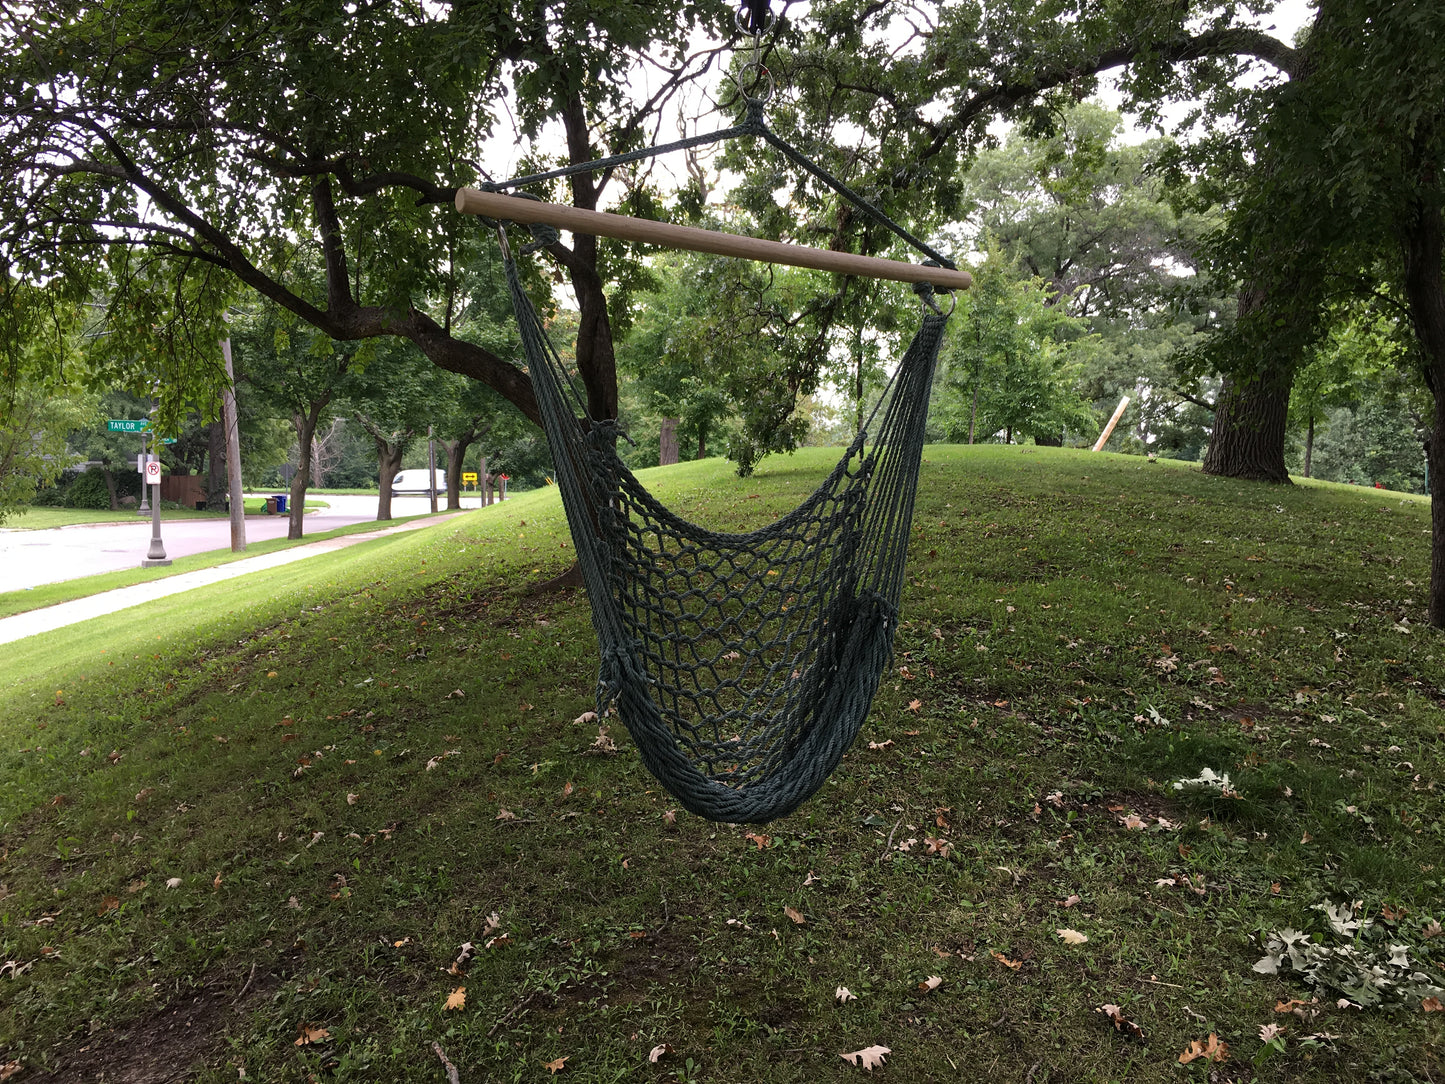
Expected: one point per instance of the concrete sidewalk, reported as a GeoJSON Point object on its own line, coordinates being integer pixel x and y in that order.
{"type": "Point", "coordinates": [83, 609]}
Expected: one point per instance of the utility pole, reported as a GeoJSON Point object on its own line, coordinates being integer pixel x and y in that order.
{"type": "Point", "coordinates": [233, 453]}
{"type": "Point", "coordinates": [431, 465]}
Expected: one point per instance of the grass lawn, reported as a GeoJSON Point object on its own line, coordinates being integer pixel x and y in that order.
{"type": "Point", "coordinates": [273, 829]}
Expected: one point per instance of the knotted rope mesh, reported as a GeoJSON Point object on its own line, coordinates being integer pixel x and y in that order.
{"type": "Point", "coordinates": [743, 665]}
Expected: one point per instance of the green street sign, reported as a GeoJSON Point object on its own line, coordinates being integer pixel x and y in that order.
{"type": "Point", "coordinates": [128, 425]}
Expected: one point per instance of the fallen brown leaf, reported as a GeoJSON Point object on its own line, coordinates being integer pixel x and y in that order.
{"type": "Point", "coordinates": [456, 999]}
{"type": "Point", "coordinates": [795, 915]}
{"type": "Point", "coordinates": [1120, 1021]}
{"type": "Point", "coordinates": [1211, 1049]}
{"type": "Point", "coordinates": [556, 1066]}
{"type": "Point", "coordinates": [1432, 1004]}
{"type": "Point", "coordinates": [658, 1052]}
{"type": "Point", "coordinates": [1011, 964]}
{"type": "Point", "coordinates": [868, 1058]}
{"type": "Point", "coordinates": [311, 1034]}
{"type": "Point", "coordinates": [933, 982]}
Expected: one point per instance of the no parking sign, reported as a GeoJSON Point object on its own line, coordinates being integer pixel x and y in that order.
{"type": "Point", "coordinates": [153, 472]}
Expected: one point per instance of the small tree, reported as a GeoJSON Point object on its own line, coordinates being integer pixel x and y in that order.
{"type": "Point", "coordinates": [299, 371]}
{"type": "Point", "coordinates": [33, 448]}
{"type": "Point", "coordinates": [1012, 364]}
{"type": "Point", "coordinates": [394, 400]}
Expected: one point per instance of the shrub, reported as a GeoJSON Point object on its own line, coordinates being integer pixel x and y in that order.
{"type": "Point", "coordinates": [88, 491]}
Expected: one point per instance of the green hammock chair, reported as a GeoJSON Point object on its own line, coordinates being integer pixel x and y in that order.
{"type": "Point", "coordinates": [743, 665]}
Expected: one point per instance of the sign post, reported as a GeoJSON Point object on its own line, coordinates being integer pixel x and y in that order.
{"type": "Point", "coordinates": [157, 553]}
{"type": "Point", "coordinates": [142, 509]}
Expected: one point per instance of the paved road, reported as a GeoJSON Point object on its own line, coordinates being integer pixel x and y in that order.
{"type": "Point", "coordinates": [32, 558]}
{"type": "Point", "coordinates": [19, 626]}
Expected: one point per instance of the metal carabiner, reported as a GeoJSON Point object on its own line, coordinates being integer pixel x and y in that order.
{"type": "Point", "coordinates": [764, 81]}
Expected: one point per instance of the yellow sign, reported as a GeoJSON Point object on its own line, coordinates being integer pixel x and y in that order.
{"type": "Point", "coordinates": [469, 478]}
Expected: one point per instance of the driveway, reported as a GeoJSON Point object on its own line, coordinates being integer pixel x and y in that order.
{"type": "Point", "coordinates": [32, 558]}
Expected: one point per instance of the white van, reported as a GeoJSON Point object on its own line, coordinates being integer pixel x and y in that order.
{"type": "Point", "coordinates": [418, 481]}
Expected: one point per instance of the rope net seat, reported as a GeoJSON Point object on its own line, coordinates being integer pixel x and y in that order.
{"type": "Point", "coordinates": [742, 664]}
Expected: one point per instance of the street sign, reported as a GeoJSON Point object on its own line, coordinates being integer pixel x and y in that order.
{"type": "Point", "coordinates": [469, 478]}
{"type": "Point", "coordinates": [128, 425]}
{"type": "Point", "coordinates": [153, 472]}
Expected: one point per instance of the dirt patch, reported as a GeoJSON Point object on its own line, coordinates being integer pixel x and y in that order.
{"type": "Point", "coordinates": [168, 1045]}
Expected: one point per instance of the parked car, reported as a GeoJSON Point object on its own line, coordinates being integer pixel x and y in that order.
{"type": "Point", "coordinates": [418, 481]}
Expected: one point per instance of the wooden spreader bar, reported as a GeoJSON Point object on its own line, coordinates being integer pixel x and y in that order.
{"type": "Point", "coordinates": [471, 201]}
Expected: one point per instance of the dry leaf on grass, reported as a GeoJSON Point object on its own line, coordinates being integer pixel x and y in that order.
{"type": "Point", "coordinates": [556, 1066]}
{"type": "Point", "coordinates": [311, 1034]}
{"type": "Point", "coordinates": [1211, 1049]}
{"type": "Point", "coordinates": [174, 882]}
{"type": "Point", "coordinates": [505, 815]}
{"type": "Point", "coordinates": [463, 958]}
{"type": "Point", "coordinates": [844, 995]}
{"type": "Point", "coordinates": [933, 982]}
{"type": "Point", "coordinates": [1069, 902]}
{"type": "Point", "coordinates": [1013, 965]}
{"type": "Point", "coordinates": [1071, 937]}
{"type": "Point", "coordinates": [761, 841]}
{"type": "Point", "coordinates": [1267, 1032]}
{"type": "Point", "coordinates": [1432, 1004]}
{"type": "Point", "coordinates": [1121, 1022]}
{"type": "Point", "coordinates": [456, 999]}
{"type": "Point", "coordinates": [658, 1052]}
{"type": "Point", "coordinates": [880, 744]}
{"type": "Point", "coordinates": [870, 1057]}
{"type": "Point", "coordinates": [795, 915]}
{"type": "Point", "coordinates": [1292, 1004]}
{"type": "Point", "coordinates": [9, 1069]}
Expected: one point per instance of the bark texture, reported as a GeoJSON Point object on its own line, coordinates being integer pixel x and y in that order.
{"type": "Point", "coordinates": [1424, 246]}
{"type": "Point", "coordinates": [305, 425]}
{"type": "Point", "coordinates": [216, 467]}
{"type": "Point", "coordinates": [1250, 416]}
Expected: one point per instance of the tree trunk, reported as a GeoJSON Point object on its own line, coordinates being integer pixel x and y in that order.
{"type": "Point", "coordinates": [973, 414]}
{"type": "Point", "coordinates": [110, 488]}
{"type": "Point", "coordinates": [305, 431]}
{"type": "Point", "coordinates": [1249, 427]}
{"type": "Point", "coordinates": [388, 462]}
{"type": "Point", "coordinates": [216, 467]}
{"type": "Point", "coordinates": [1424, 244]}
{"type": "Point", "coordinates": [1310, 443]}
{"type": "Point", "coordinates": [456, 451]}
{"type": "Point", "coordinates": [702, 442]}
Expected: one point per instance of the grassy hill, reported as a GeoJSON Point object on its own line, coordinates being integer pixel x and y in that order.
{"type": "Point", "coordinates": [252, 829]}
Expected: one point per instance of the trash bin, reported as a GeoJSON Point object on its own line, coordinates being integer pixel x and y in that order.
{"type": "Point", "coordinates": [280, 500]}
{"type": "Point", "coordinates": [270, 506]}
